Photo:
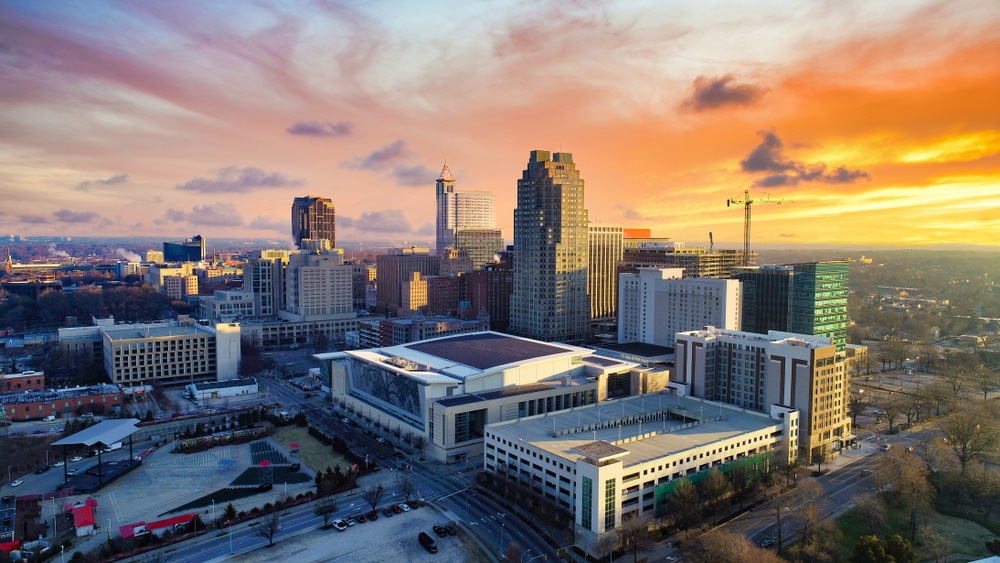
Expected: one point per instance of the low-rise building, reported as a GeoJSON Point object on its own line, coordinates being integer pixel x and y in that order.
{"type": "Point", "coordinates": [24, 381]}
{"type": "Point", "coordinates": [36, 405]}
{"type": "Point", "coordinates": [613, 461]}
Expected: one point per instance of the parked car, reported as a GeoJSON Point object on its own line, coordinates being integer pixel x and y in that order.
{"type": "Point", "coordinates": [373, 515]}
{"type": "Point", "coordinates": [387, 513]}
{"type": "Point", "coordinates": [396, 509]}
{"type": "Point", "coordinates": [405, 507]}
{"type": "Point", "coordinates": [427, 542]}
{"type": "Point", "coordinates": [340, 525]}
{"type": "Point", "coordinates": [360, 518]}
{"type": "Point", "coordinates": [440, 530]}
{"type": "Point", "coordinates": [351, 521]}
{"type": "Point", "coordinates": [450, 529]}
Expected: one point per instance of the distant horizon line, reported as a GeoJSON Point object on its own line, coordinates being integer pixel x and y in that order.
{"type": "Point", "coordinates": [374, 244]}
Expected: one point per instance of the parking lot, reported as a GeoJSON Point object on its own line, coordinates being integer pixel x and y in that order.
{"type": "Point", "coordinates": [386, 539]}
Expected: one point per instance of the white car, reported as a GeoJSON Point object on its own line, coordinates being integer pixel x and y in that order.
{"type": "Point", "coordinates": [340, 525]}
{"type": "Point", "coordinates": [76, 458]}
{"type": "Point", "coordinates": [16, 482]}
{"type": "Point", "coordinates": [405, 507]}
{"type": "Point", "coordinates": [59, 464]}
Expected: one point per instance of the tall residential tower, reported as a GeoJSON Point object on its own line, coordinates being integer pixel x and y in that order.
{"type": "Point", "coordinates": [551, 254]}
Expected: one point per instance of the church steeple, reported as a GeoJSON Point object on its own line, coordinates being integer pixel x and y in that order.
{"type": "Point", "coordinates": [8, 266]}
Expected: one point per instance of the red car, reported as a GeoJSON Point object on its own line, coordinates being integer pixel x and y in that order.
{"type": "Point", "coordinates": [373, 516]}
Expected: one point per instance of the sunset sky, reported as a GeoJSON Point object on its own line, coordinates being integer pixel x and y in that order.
{"type": "Point", "coordinates": [877, 122]}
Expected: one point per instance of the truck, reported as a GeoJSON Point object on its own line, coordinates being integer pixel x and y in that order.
{"type": "Point", "coordinates": [113, 447]}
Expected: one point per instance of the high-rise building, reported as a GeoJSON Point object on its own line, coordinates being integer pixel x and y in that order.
{"type": "Point", "coordinates": [190, 250]}
{"type": "Point", "coordinates": [313, 218]}
{"type": "Point", "coordinates": [394, 269]}
{"type": "Point", "coordinates": [656, 304]}
{"type": "Point", "coordinates": [761, 372]}
{"type": "Point", "coordinates": [265, 278]}
{"type": "Point", "coordinates": [605, 245]}
{"type": "Point", "coordinates": [318, 286]}
{"type": "Point", "coordinates": [489, 289]}
{"type": "Point", "coordinates": [459, 211]}
{"type": "Point", "coordinates": [805, 298]}
{"type": "Point", "coordinates": [551, 254]}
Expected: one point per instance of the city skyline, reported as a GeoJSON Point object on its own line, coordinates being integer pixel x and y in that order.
{"type": "Point", "coordinates": [879, 123]}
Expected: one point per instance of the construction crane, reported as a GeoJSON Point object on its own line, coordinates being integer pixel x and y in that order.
{"type": "Point", "coordinates": [747, 203]}
{"type": "Point", "coordinates": [711, 243]}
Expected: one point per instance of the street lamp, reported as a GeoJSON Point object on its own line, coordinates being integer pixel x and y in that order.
{"type": "Point", "coordinates": [213, 511]}
{"type": "Point", "coordinates": [467, 497]}
{"type": "Point", "coordinates": [502, 524]}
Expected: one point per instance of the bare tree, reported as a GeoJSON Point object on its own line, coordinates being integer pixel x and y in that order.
{"type": "Point", "coordinates": [325, 507]}
{"type": "Point", "coordinates": [985, 379]}
{"type": "Point", "coordinates": [872, 510]}
{"type": "Point", "coordinates": [934, 542]}
{"type": "Point", "coordinates": [269, 527]}
{"type": "Point", "coordinates": [937, 394]}
{"type": "Point", "coordinates": [419, 442]}
{"type": "Point", "coordinates": [512, 552]}
{"type": "Point", "coordinates": [857, 402]}
{"type": "Point", "coordinates": [407, 487]}
{"type": "Point", "coordinates": [893, 406]}
{"type": "Point", "coordinates": [787, 468]}
{"type": "Point", "coordinates": [970, 433]}
{"type": "Point", "coordinates": [634, 535]}
{"type": "Point", "coordinates": [373, 494]}
{"type": "Point", "coordinates": [721, 546]}
{"type": "Point", "coordinates": [985, 488]}
{"type": "Point", "coordinates": [714, 489]}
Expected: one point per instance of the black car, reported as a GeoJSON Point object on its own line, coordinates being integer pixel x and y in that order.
{"type": "Point", "coordinates": [766, 542]}
{"type": "Point", "coordinates": [440, 531]}
{"type": "Point", "coordinates": [387, 512]}
{"type": "Point", "coordinates": [427, 542]}
{"type": "Point", "coordinates": [450, 530]}
{"type": "Point", "coordinates": [42, 469]}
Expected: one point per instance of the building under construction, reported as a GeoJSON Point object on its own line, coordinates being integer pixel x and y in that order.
{"type": "Point", "coordinates": [696, 260]}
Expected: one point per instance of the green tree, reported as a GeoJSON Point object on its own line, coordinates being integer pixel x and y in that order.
{"type": "Point", "coordinates": [870, 549]}
{"type": "Point", "coordinates": [684, 504]}
{"type": "Point", "coordinates": [900, 550]}
{"type": "Point", "coordinates": [714, 489]}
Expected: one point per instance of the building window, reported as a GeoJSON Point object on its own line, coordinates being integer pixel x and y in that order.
{"type": "Point", "coordinates": [587, 506]}
{"type": "Point", "coordinates": [609, 505]}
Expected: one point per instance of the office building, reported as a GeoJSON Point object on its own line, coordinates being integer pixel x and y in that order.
{"type": "Point", "coordinates": [482, 245]}
{"type": "Point", "coordinates": [362, 276]}
{"type": "Point", "coordinates": [226, 305]}
{"type": "Point", "coordinates": [154, 257]}
{"type": "Point", "coordinates": [488, 289]}
{"type": "Point", "coordinates": [318, 287]}
{"type": "Point", "coordinates": [394, 269]}
{"type": "Point", "coordinates": [755, 371]}
{"type": "Point", "coordinates": [190, 250]}
{"type": "Point", "coordinates": [377, 333]}
{"type": "Point", "coordinates": [459, 211]}
{"type": "Point", "coordinates": [803, 298]}
{"type": "Point", "coordinates": [655, 304]}
{"type": "Point", "coordinates": [179, 286]}
{"type": "Point", "coordinates": [551, 254]}
{"type": "Point", "coordinates": [313, 219]}
{"type": "Point", "coordinates": [264, 277]}
{"type": "Point", "coordinates": [614, 461]}
{"type": "Point", "coordinates": [605, 247]}
{"type": "Point", "coordinates": [455, 261]}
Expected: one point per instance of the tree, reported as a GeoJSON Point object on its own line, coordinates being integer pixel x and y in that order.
{"type": "Point", "coordinates": [820, 457]}
{"type": "Point", "coordinates": [269, 527]}
{"type": "Point", "coordinates": [325, 507]}
{"type": "Point", "coordinates": [786, 467]}
{"type": "Point", "coordinates": [684, 504]}
{"type": "Point", "coordinates": [900, 550]}
{"type": "Point", "coordinates": [714, 489]}
{"type": "Point", "coordinates": [373, 494]}
{"type": "Point", "coordinates": [985, 379]}
{"type": "Point", "coordinates": [870, 549]}
{"type": "Point", "coordinates": [721, 546]}
{"type": "Point", "coordinates": [819, 535]}
{"type": "Point", "coordinates": [634, 534]}
{"type": "Point", "coordinates": [407, 487]}
{"type": "Point", "coordinates": [893, 406]}
{"type": "Point", "coordinates": [970, 433]}
{"type": "Point", "coordinates": [512, 552]}
{"type": "Point", "coordinates": [744, 482]}
{"type": "Point", "coordinates": [419, 442]}
{"type": "Point", "coordinates": [872, 510]}
{"type": "Point", "coordinates": [230, 513]}
{"type": "Point", "coordinates": [857, 402]}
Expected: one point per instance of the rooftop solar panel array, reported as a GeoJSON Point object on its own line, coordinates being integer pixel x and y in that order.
{"type": "Point", "coordinates": [485, 350]}
{"type": "Point", "coordinates": [490, 395]}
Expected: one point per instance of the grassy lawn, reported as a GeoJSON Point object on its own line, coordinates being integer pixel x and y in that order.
{"type": "Point", "coordinates": [312, 453]}
{"type": "Point", "coordinates": [964, 536]}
